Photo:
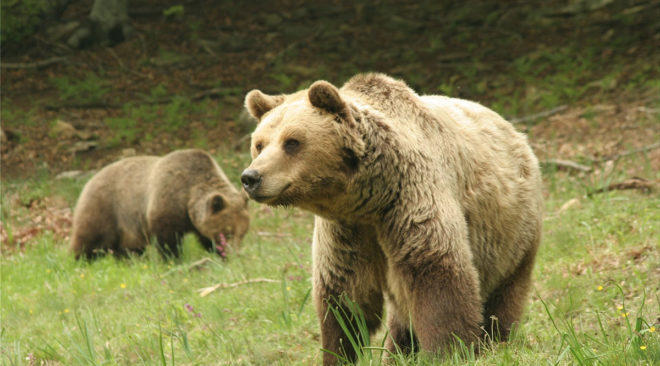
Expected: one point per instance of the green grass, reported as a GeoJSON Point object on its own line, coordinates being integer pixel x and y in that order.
{"type": "Point", "coordinates": [594, 301]}
{"type": "Point", "coordinates": [92, 88]}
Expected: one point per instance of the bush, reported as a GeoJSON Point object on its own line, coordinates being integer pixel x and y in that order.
{"type": "Point", "coordinates": [21, 18]}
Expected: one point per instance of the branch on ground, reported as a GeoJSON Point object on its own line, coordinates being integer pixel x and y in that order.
{"type": "Point", "coordinates": [207, 290]}
{"type": "Point", "coordinates": [535, 116]}
{"type": "Point", "coordinates": [571, 165]}
{"type": "Point", "coordinates": [626, 153]}
{"type": "Point", "coordinates": [565, 165]}
{"type": "Point", "coordinates": [214, 92]}
{"type": "Point", "coordinates": [644, 185]}
{"type": "Point", "coordinates": [32, 65]}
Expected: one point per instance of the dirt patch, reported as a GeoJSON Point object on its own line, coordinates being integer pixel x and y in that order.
{"type": "Point", "coordinates": [48, 215]}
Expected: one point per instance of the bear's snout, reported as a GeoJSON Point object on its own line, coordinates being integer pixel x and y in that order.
{"type": "Point", "coordinates": [251, 180]}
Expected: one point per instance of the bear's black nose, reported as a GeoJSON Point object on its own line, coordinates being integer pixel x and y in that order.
{"type": "Point", "coordinates": [251, 180]}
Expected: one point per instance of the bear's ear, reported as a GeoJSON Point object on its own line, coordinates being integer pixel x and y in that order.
{"type": "Point", "coordinates": [326, 96]}
{"type": "Point", "coordinates": [217, 203]}
{"type": "Point", "coordinates": [258, 103]}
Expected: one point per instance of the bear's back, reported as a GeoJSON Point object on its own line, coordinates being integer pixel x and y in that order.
{"type": "Point", "coordinates": [178, 175]}
{"type": "Point", "coordinates": [189, 165]}
{"type": "Point", "coordinates": [118, 183]}
{"type": "Point", "coordinates": [501, 185]}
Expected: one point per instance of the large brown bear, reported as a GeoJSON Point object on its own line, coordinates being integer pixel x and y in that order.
{"type": "Point", "coordinates": [430, 204]}
{"type": "Point", "coordinates": [135, 199]}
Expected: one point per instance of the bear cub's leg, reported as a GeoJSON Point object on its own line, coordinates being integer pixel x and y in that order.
{"type": "Point", "coordinates": [90, 245]}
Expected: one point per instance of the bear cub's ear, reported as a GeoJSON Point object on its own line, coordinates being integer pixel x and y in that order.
{"type": "Point", "coordinates": [217, 203]}
{"type": "Point", "coordinates": [258, 103]}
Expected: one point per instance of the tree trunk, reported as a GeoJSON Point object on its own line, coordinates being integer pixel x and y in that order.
{"type": "Point", "coordinates": [108, 24]}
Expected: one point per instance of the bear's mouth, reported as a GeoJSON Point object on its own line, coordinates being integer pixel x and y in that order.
{"type": "Point", "coordinates": [221, 245]}
{"type": "Point", "coordinates": [269, 200]}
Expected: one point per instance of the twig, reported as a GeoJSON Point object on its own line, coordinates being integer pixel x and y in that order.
{"type": "Point", "coordinates": [91, 105]}
{"type": "Point", "coordinates": [214, 92]}
{"type": "Point", "coordinates": [207, 290]}
{"type": "Point", "coordinates": [200, 263]}
{"type": "Point", "coordinates": [196, 96]}
{"type": "Point", "coordinates": [277, 235]}
{"type": "Point", "coordinates": [114, 54]}
{"type": "Point", "coordinates": [565, 164]}
{"type": "Point", "coordinates": [642, 184]}
{"type": "Point", "coordinates": [536, 116]}
{"type": "Point", "coordinates": [629, 152]}
{"type": "Point", "coordinates": [30, 65]}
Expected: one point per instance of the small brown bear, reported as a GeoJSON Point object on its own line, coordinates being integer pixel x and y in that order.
{"type": "Point", "coordinates": [428, 204]}
{"type": "Point", "coordinates": [135, 199]}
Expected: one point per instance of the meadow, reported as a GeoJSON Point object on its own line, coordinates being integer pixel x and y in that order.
{"type": "Point", "coordinates": [595, 299]}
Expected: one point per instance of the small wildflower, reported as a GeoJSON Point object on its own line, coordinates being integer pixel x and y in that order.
{"type": "Point", "coordinates": [66, 310]}
{"type": "Point", "coordinates": [625, 314]}
{"type": "Point", "coordinates": [123, 285]}
{"type": "Point", "coordinates": [30, 311]}
{"type": "Point", "coordinates": [192, 311]}
{"type": "Point", "coordinates": [82, 275]}
{"type": "Point", "coordinates": [145, 266]}
{"type": "Point", "coordinates": [642, 347]}
{"type": "Point", "coordinates": [620, 307]}
{"type": "Point", "coordinates": [599, 288]}
{"type": "Point", "coordinates": [171, 291]}
{"type": "Point", "coordinates": [48, 270]}
{"type": "Point", "coordinates": [288, 288]}
{"type": "Point", "coordinates": [652, 329]}
{"type": "Point", "coordinates": [185, 280]}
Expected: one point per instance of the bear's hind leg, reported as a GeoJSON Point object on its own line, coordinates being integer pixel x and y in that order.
{"type": "Point", "coordinates": [92, 245]}
{"type": "Point", "coordinates": [506, 304]}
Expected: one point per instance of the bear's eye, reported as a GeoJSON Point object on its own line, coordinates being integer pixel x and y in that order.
{"type": "Point", "coordinates": [259, 147]}
{"type": "Point", "coordinates": [291, 146]}
{"type": "Point", "coordinates": [217, 204]}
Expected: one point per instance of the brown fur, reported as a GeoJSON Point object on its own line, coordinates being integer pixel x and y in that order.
{"type": "Point", "coordinates": [130, 201]}
{"type": "Point", "coordinates": [429, 204]}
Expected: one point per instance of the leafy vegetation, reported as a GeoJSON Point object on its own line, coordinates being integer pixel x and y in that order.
{"type": "Point", "coordinates": [20, 18]}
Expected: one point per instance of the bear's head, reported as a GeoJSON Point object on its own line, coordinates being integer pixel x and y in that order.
{"type": "Point", "coordinates": [221, 216]}
{"type": "Point", "coordinates": [305, 148]}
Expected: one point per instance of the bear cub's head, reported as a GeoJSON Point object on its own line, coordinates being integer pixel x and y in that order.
{"type": "Point", "coordinates": [305, 148]}
{"type": "Point", "coordinates": [221, 217]}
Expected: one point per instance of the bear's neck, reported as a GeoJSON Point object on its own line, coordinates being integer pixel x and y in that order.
{"type": "Point", "coordinates": [374, 188]}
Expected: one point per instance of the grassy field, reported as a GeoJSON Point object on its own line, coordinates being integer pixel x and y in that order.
{"type": "Point", "coordinates": [595, 298]}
